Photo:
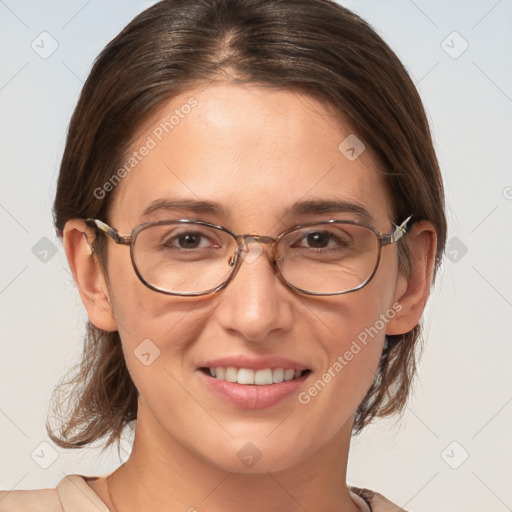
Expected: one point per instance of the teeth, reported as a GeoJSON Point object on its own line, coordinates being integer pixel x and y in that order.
{"type": "Point", "coordinates": [231, 374]}
{"type": "Point", "coordinates": [259, 377]}
{"type": "Point", "coordinates": [246, 376]}
{"type": "Point", "coordinates": [289, 374]}
{"type": "Point", "coordinates": [263, 377]}
{"type": "Point", "coordinates": [277, 375]}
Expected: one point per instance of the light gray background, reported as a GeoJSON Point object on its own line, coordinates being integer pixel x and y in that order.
{"type": "Point", "coordinates": [462, 400]}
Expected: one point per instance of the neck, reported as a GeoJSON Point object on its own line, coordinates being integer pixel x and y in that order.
{"type": "Point", "coordinates": [166, 476]}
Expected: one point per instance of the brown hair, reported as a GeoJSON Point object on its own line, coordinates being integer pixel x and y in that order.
{"type": "Point", "coordinates": [313, 45]}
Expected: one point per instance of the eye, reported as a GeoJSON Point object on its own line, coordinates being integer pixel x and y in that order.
{"type": "Point", "coordinates": [318, 240]}
{"type": "Point", "coordinates": [190, 240]}
{"type": "Point", "coordinates": [323, 239]}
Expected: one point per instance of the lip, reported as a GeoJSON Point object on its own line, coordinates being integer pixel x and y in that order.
{"type": "Point", "coordinates": [254, 363]}
{"type": "Point", "coordinates": [253, 396]}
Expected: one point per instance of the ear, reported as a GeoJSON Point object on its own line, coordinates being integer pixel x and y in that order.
{"type": "Point", "coordinates": [412, 292]}
{"type": "Point", "coordinates": [87, 273]}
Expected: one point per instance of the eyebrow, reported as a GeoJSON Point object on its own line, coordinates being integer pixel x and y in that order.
{"type": "Point", "coordinates": [184, 204]}
{"type": "Point", "coordinates": [330, 206]}
{"type": "Point", "coordinates": [310, 207]}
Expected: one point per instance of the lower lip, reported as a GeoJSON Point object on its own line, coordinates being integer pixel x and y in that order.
{"type": "Point", "coordinates": [253, 396]}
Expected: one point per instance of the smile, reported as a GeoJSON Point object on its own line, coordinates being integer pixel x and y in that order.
{"type": "Point", "coordinates": [248, 376]}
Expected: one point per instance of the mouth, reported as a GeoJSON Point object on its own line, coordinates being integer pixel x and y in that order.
{"type": "Point", "coordinates": [248, 376]}
{"type": "Point", "coordinates": [249, 382]}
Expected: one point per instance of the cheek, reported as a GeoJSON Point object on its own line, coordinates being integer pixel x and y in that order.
{"type": "Point", "coordinates": [156, 329]}
{"type": "Point", "coordinates": [139, 311]}
{"type": "Point", "coordinates": [168, 326]}
{"type": "Point", "coordinates": [355, 324]}
{"type": "Point", "coordinates": [354, 328]}
{"type": "Point", "coordinates": [355, 343]}
{"type": "Point", "coordinates": [157, 342]}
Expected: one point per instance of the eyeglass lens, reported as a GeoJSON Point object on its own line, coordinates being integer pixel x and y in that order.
{"type": "Point", "coordinates": [192, 258]}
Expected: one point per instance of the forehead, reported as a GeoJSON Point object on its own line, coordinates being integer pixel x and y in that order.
{"type": "Point", "coordinates": [255, 151]}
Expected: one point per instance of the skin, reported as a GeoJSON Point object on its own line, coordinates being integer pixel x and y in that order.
{"type": "Point", "coordinates": [255, 151]}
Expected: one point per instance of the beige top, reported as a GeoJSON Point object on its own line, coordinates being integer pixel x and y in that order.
{"type": "Point", "coordinates": [72, 494]}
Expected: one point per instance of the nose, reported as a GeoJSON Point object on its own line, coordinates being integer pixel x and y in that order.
{"type": "Point", "coordinates": [255, 305]}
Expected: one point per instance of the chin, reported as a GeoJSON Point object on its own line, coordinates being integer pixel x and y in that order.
{"type": "Point", "coordinates": [259, 457]}
{"type": "Point", "coordinates": [260, 467]}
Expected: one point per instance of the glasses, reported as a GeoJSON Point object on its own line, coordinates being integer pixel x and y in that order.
{"type": "Point", "coordinates": [190, 258]}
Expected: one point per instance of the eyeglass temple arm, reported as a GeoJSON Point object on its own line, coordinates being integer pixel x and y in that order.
{"type": "Point", "coordinates": [398, 233]}
{"type": "Point", "coordinates": [111, 232]}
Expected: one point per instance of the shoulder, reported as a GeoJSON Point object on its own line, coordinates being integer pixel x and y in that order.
{"type": "Point", "coordinates": [72, 494]}
{"type": "Point", "coordinates": [376, 502]}
{"type": "Point", "coordinates": [40, 500]}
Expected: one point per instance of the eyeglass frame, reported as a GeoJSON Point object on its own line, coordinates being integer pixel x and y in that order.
{"type": "Point", "coordinates": [236, 259]}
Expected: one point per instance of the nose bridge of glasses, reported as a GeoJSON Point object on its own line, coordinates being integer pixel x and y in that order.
{"type": "Point", "coordinates": [258, 243]}
{"type": "Point", "coordinates": [268, 240]}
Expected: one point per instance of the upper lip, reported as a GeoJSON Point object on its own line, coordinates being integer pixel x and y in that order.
{"type": "Point", "coordinates": [254, 363]}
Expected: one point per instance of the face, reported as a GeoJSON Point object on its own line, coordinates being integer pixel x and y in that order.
{"type": "Point", "coordinates": [255, 153]}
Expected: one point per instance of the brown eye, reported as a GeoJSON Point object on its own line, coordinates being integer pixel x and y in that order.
{"type": "Point", "coordinates": [189, 240]}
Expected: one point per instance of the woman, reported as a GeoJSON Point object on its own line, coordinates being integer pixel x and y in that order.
{"type": "Point", "coordinates": [252, 210]}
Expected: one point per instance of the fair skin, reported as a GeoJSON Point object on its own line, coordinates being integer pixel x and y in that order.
{"type": "Point", "coordinates": [255, 152]}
